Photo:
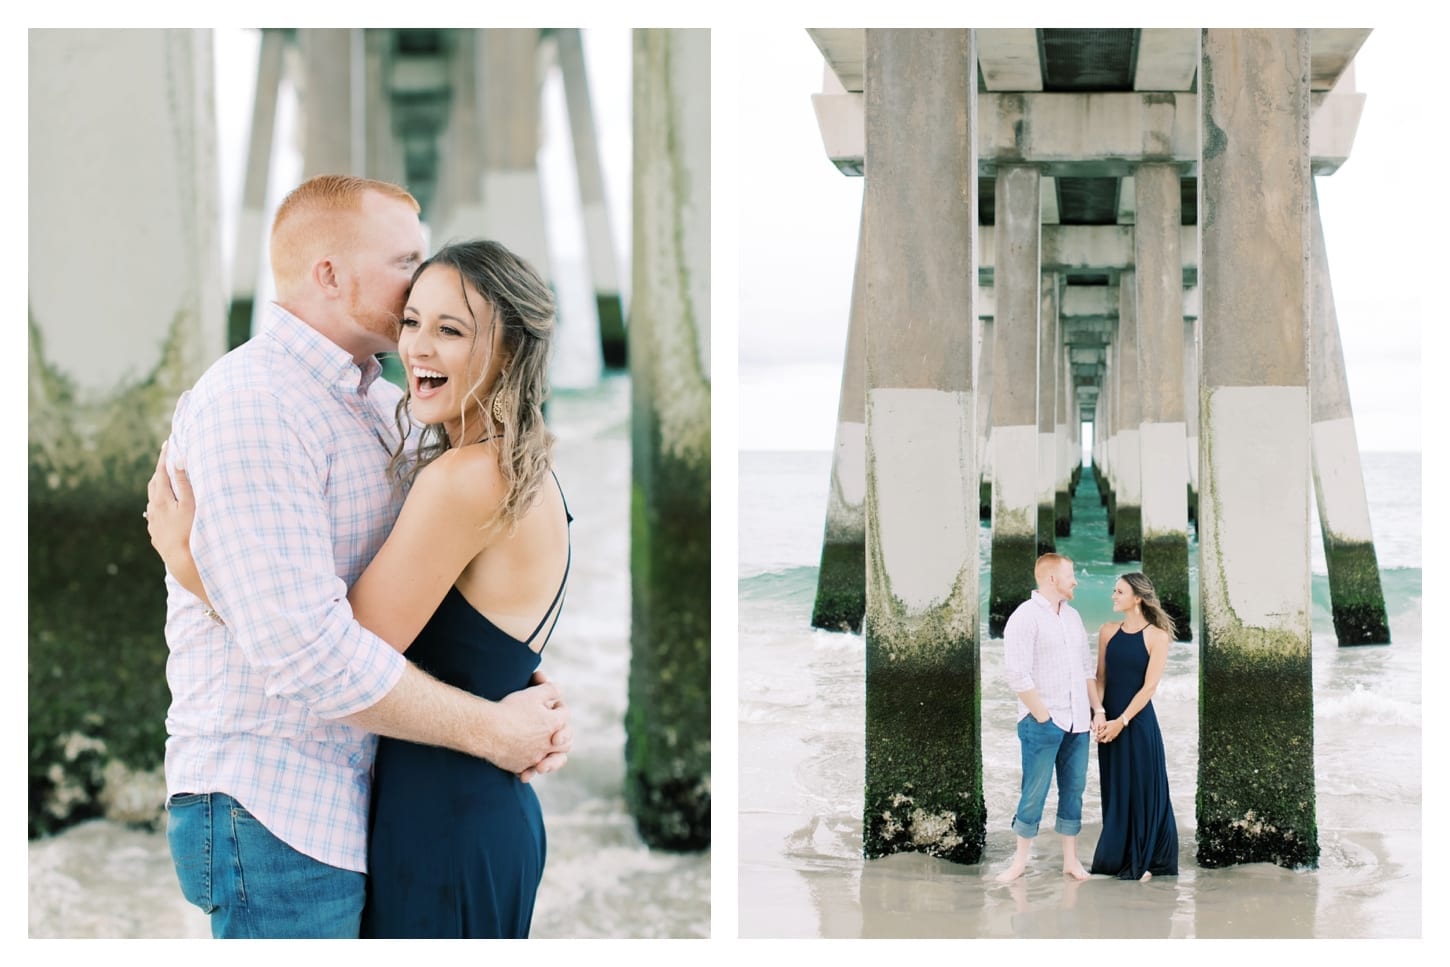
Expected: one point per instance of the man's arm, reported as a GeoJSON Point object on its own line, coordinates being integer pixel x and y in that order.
{"type": "Point", "coordinates": [1020, 640]}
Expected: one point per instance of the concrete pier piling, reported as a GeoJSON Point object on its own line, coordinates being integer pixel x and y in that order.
{"type": "Point", "coordinates": [667, 724]}
{"type": "Point", "coordinates": [1014, 401]}
{"type": "Point", "coordinates": [1046, 420]}
{"type": "Point", "coordinates": [1062, 434]}
{"type": "Point", "coordinates": [332, 128]}
{"type": "Point", "coordinates": [509, 105]}
{"type": "Point", "coordinates": [923, 695]}
{"type": "Point", "coordinates": [1162, 434]}
{"type": "Point", "coordinates": [983, 393]}
{"type": "Point", "coordinates": [252, 223]}
{"type": "Point", "coordinates": [841, 584]}
{"type": "Point", "coordinates": [599, 239]}
{"type": "Point", "coordinates": [1356, 598]}
{"type": "Point", "coordinates": [1256, 795]}
{"type": "Point", "coordinates": [1127, 509]}
{"type": "Point", "coordinates": [1190, 410]}
{"type": "Point", "coordinates": [124, 216]}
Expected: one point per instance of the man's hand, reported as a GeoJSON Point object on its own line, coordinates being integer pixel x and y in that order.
{"type": "Point", "coordinates": [529, 727]}
{"type": "Point", "coordinates": [562, 742]}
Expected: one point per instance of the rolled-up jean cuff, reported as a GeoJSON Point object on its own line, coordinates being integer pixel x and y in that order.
{"type": "Point", "coordinates": [1065, 828]}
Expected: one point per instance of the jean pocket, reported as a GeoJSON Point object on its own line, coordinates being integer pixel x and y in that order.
{"type": "Point", "coordinates": [188, 834]}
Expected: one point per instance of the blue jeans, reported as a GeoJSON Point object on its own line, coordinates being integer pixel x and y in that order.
{"type": "Point", "coordinates": [1045, 747]}
{"type": "Point", "coordinates": [251, 883]}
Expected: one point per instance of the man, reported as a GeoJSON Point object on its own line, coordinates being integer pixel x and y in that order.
{"type": "Point", "coordinates": [274, 713]}
{"type": "Point", "coordinates": [1052, 670]}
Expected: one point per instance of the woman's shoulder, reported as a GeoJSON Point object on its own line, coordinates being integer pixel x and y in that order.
{"type": "Point", "coordinates": [1108, 629]}
{"type": "Point", "coordinates": [468, 478]}
{"type": "Point", "coordinates": [1156, 637]}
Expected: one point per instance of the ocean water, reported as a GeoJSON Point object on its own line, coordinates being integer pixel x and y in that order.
{"type": "Point", "coordinates": [600, 880]}
{"type": "Point", "coordinates": [801, 756]}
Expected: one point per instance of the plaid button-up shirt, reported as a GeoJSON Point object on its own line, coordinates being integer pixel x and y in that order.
{"type": "Point", "coordinates": [286, 441]}
{"type": "Point", "coordinates": [1047, 649]}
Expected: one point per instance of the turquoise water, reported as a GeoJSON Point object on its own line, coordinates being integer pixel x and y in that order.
{"type": "Point", "coordinates": [802, 762]}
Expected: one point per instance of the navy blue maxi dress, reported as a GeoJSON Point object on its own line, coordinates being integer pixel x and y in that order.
{"type": "Point", "coordinates": [1139, 832]}
{"type": "Point", "coordinates": [455, 844]}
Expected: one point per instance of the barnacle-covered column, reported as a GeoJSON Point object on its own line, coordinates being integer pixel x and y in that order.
{"type": "Point", "coordinates": [923, 699]}
{"type": "Point", "coordinates": [126, 309]}
{"type": "Point", "coordinates": [1256, 700]}
{"type": "Point", "coordinates": [667, 750]}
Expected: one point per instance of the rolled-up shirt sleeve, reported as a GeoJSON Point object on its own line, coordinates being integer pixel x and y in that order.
{"type": "Point", "coordinates": [262, 540]}
{"type": "Point", "coordinates": [1020, 637]}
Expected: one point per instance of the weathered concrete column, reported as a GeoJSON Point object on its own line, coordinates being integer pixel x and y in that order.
{"type": "Point", "coordinates": [598, 239]}
{"type": "Point", "coordinates": [1127, 461]}
{"type": "Point", "coordinates": [1062, 433]}
{"type": "Point", "coordinates": [252, 222]}
{"type": "Point", "coordinates": [1190, 410]}
{"type": "Point", "coordinates": [458, 212]}
{"type": "Point", "coordinates": [509, 93]}
{"type": "Point", "coordinates": [841, 584]}
{"type": "Point", "coordinates": [1162, 436]}
{"type": "Point", "coordinates": [1356, 598]}
{"type": "Point", "coordinates": [667, 749]}
{"type": "Point", "coordinates": [1016, 278]}
{"type": "Point", "coordinates": [1256, 704]}
{"type": "Point", "coordinates": [982, 391]}
{"type": "Point", "coordinates": [126, 309]}
{"type": "Point", "coordinates": [1046, 408]}
{"type": "Point", "coordinates": [1109, 401]}
{"type": "Point", "coordinates": [382, 150]}
{"type": "Point", "coordinates": [332, 124]}
{"type": "Point", "coordinates": [923, 691]}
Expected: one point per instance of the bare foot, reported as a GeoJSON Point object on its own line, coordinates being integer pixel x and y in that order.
{"type": "Point", "coordinates": [1145, 877]}
{"type": "Point", "coordinates": [1075, 871]}
{"type": "Point", "coordinates": [1012, 872]}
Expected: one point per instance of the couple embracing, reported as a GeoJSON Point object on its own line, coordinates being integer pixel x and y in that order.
{"type": "Point", "coordinates": [360, 580]}
{"type": "Point", "coordinates": [1063, 695]}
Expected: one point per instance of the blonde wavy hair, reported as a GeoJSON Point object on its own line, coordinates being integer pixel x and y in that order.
{"type": "Point", "coordinates": [523, 304]}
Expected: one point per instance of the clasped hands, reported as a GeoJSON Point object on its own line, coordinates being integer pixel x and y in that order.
{"type": "Point", "coordinates": [1105, 731]}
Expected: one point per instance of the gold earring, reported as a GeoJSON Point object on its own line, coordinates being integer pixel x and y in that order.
{"type": "Point", "coordinates": [501, 405]}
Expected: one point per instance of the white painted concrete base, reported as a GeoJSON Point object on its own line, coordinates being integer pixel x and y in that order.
{"type": "Point", "coordinates": [920, 444]}
{"type": "Point", "coordinates": [1046, 467]}
{"type": "Point", "coordinates": [1254, 505]}
{"type": "Point", "coordinates": [1014, 480]}
{"type": "Point", "coordinates": [1165, 477]}
{"type": "Point", "coordinates": [1339, 481]}
{"type": "Point", "coordinates": [1127, 469]}
{"type": "Point", "coordinates": [602, 266]}
{"type": "Point", "coordinates": [846, 510]}
{"type": "Point", "coordinates": [513, 213]}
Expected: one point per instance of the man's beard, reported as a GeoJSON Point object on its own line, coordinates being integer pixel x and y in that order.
{"type": "Point", "coordinates": [375, 319]}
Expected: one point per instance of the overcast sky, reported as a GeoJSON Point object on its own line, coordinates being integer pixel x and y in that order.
{"type": "Point", "coordinates": [799, 218]}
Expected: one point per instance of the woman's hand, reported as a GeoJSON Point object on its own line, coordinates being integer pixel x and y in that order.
{"type": "Point", "coordinates": [169, 515]}
{"type": "Point", "coordinates": [1111, 731]}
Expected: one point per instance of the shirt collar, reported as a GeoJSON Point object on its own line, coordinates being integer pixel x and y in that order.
{"type": "Point", "coordinates": [1046, 604]}
{"type": "Point", "coordinates": [325, 360]}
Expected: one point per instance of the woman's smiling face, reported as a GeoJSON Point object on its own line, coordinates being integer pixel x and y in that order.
{"type": "Point", "coordinates": [448, 346]}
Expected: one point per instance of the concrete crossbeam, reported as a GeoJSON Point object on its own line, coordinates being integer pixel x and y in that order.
{"type": "Point", "coordinates": [1069, 248]}
{"type": "Point", "coordinates": [1167, 59]}
{"type": "Point", "coordinates": [1088, 135]}
{"type": "Point", "coordinates": [1009, 59]}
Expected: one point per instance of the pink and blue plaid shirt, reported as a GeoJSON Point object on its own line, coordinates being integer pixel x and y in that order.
{"type": "Point", "coordinates": [1047, 649]}
{"type": "Point", "coordinates": [286, 442]}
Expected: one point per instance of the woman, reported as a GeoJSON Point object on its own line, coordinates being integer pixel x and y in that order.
{"type": "Point", "coordinates": [1140, 835]}
{"type": "Point", "coordinates": [467, 583]}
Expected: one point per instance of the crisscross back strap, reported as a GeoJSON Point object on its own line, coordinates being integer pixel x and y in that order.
{"type": "Point", "coordinates": [558, 595]}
